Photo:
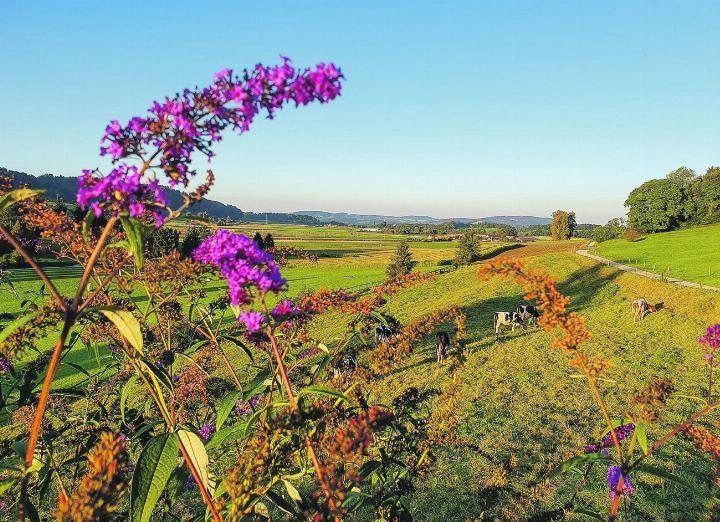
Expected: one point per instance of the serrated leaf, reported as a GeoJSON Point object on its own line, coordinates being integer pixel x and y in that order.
{"type": "Point", "coordinates": [226, 407]}
{"type": "Point", "coordinates": [135, 232]}
{"type": "Point", "coordinates": [322, 390]}
{"type": "Point", "coordinates": [157, 462]}
{"type": "Point", "coordinates": [16, 195]}
{"type": "Point", "coordinates": [127, 324]}
{"type": "Point", "coordinates": [198, 456]}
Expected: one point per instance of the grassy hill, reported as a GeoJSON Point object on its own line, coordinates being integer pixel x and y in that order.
{"type": "Point", "coordinates": [521, 408]}
{"type": "Point", "coordinates": [691, 254]}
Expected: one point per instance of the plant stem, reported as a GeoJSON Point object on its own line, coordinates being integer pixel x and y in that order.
{"type": "Point", "coordinates": [198, 480]}
{"type": "Point", "coordinates": [39, 271]}
{"type": "Point", "coordinates": [91, 261]}
{"type": "Point", "coordinates": [39, 413]}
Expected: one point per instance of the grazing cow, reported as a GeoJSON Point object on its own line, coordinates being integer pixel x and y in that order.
{"type": "Point", "coordinates": [640, 308]}
{"type": "Point", "coordinates": [528, 313]}
{"type": "Point", "coordinates": [443, 343]}
{"type": "Point", "coordinates": [511, 319]}
{"type": "Point", "coordinates": [382, 334]}
{"type": "Point", "coordinates": [346, 363]}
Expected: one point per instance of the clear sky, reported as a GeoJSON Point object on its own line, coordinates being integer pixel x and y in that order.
{"type": "Point", "coordinates": [450, 108]}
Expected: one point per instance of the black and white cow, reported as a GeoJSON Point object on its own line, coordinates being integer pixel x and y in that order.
{"type": "Point", "coordinates": [528, 313]}
{"type": "Point", "coordinates": [443, 343]}
{"type": "Point", "coordinates": [347, 363]}
{"type": "Point", "coordinates": [511, 319]}
{"type": "Point", "coordinates": [382, 334]}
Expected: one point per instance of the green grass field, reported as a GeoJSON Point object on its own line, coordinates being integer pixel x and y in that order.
{"type": "Point", "coordinates": [689, 254]}
{"type": "Point", "coordinates": [518, 399]}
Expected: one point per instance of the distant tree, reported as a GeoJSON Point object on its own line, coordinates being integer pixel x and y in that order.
{"type": "Point", "coordinates": [192, 239]}
{"type": "Point", "coordinates": [467, 250]}
{"type": "Point", "coordinates": [59, 206]}
{"type": "Point", "coordinates": [656, 205]}
{"type": "Point", "coordinates": [682, 176]}
{"type": "Point", "coordinates": [269, 242]}
{"type": "Point", "coordinates": [402, 262]}
{"type": "Point", "coordinates": [563, 224]}
{"type": "Point", "coordinates": [163, 241]}
{"type": "Point", "coordinates": [259, 240]}
{"type": "Point", "coordinates": [614, 229]}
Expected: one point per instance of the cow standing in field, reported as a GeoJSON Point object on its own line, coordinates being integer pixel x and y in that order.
{"type": "Point", "coordinates": [347, 363]}
{"type": "Point", "coordinates": [528, 313]}
{"type": "Point", "coordinates": [511, 319]}
{"type": "Point", "coordinates": [640, 308]}
{"type": "Point", "coordinates": [382, 334]}
{"type": "Point", "coordinates": [443, 343]}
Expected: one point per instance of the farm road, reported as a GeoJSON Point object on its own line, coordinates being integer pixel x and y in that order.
{"type": "Point", "coordinates": [644, 273]}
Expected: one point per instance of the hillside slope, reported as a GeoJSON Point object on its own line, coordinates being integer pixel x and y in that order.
{"type": "Point", "coordinates": [520, 401]}
{"type": "Point", "coordinates": [691, 254]}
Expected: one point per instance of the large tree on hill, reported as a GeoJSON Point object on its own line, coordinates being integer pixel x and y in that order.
{"type": "Point", "coordinates": [563, 224]}
{"type": "Point", "coordinates": [467, 250]}
{"type": "Point", "coordinates": [656, 206]}
{"type": "Point", "coordinates": [402, 262]}
{"type": "Point", "coordinates": [163, 241]}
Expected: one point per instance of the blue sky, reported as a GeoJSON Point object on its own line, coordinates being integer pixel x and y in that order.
{"type": "Point", "coordinates": [450, 108]}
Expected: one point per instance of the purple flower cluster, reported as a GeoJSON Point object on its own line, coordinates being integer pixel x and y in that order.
{"type": "Point", "coordinates": [623, 431]}
{"type": "Point", "coordinates": [193, 121]}
{"type": "Point", "coordinates": [244, 408]}
{"type": "Point", "coordinates": [206, 431]}
{"type": "Point", "coordinates": [311, 352]}
{"type": "Point", "coordinates": [245, 266]}
{"type": "Point", "coordinates": [5, 364]}
{"type": "Point", "coordinates": [613, 476]}
{"type": "Point", "coordinates": [34, 245]}
{"type": "Point", "coordinates": [122, 191]}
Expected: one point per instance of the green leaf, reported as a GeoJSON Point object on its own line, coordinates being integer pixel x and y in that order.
{"type": "Point", "coordinates": [198, 456]}
{"type": "Point", "coordinates": [126, 323]}
{"type": "Point", "coordinates": [641, 437]}
{"type": "Point", "coordinates": [159, 374]}
{"type": "Point", "coordinates": [156, 463]}
{"type": "Point", "coordinates": [124, 395]}
{"type": "Point", "coordinates": [576, 463]}
{"type": "Point", "coordinates": [322, 390]}
{"type": "Point", "coordinates": [16, 195]}
{"type": "Point", "coordinates": [237, 342]}
{"type": "Point", "coordinates": [77, 367]}
{"type": "Point", "coordinates": [226, 407]}
{"type": "Point", "coordinates": [664, 474]}
{"type": "Point", "coordinates": [292, 491]}
{"type": "Point", "coordinates": [280, 502]}
{"type": "Point", "coordinates": [589, 513]}
{"type": "Point", "coordinates": [135, 232]}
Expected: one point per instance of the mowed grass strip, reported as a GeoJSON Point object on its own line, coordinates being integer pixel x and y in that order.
{"type": "Point", "coordinates": [689, 254]}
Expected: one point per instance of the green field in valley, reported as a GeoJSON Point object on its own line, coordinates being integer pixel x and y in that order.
{"type": "Point", "coordinates": [521, 409]}
{"type": "Point", "coordinates": [690, 254]}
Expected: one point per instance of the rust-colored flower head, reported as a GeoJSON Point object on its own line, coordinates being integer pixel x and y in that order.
{"type": "Point", "coordinates": [647, 404]}
{"type": "Point", "coordinates": [100, 490]}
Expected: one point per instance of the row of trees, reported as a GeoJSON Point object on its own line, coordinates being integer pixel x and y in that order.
{"type": "Point", "coordinates": [680, 199]}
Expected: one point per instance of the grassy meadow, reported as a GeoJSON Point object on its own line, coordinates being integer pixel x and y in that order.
{"type": "Point", "coordinates": [522, 410]}
{"type": "Point", "coordinates": [689, 254]}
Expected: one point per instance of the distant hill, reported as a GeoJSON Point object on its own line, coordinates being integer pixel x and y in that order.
{"type": "Point", "coordinates": [374, 219]}
{"type": "Point", "coordinates": [518, 221]}
{"type": "Point", "coordinates": [65, 187]}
